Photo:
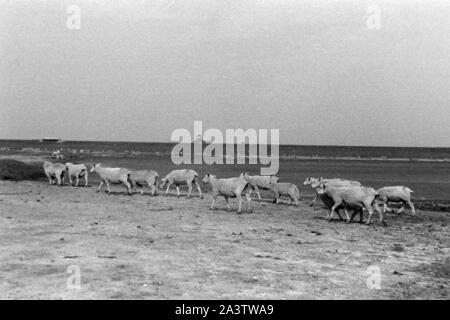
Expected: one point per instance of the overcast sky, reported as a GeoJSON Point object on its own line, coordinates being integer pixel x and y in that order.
{"type": "Point", "coordinates": [137, 70]}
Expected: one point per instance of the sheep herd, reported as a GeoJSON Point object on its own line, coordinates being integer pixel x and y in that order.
{"type": "Point", "coordinates": [336, 194]}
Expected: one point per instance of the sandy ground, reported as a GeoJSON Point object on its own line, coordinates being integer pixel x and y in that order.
{"type": "Point", "coordinates": [145, 247]}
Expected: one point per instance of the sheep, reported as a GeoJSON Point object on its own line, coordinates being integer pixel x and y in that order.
{"type": "Point", "coordinates": [112, 175]}
{"type": "Point", "coordinates": [229, 188]}
{"type": "Point", "coordinates": [261, 182]}
{"type": "Point", "coordinates": [54, 171]}
{"type": "Point", "coordinates": [314, 183]}
{"type": "Point", "coordinates": [285, 189]}
{"type": "Point", "coordinates": [142, 177]}
{"type": "Point", "coordinates": [396, 194]}
{"type": "Point", "coordinates": [328, 202]}
{"type": "Point", "coordinates": [352, 197]}
{"type": "Point", "coordinates": [181, 177]}
{"type": "Point", "coordinates": [78, 171]}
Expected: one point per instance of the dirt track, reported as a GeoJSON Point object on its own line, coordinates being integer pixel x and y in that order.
{"type": "Point", "coordinates": [147, 247]}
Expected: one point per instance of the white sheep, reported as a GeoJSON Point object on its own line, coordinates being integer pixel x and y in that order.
{"type": "Point", "coordinates": [261, 183]}
{"type": "Point", "coordinates": [396, 194]}
{"type": "Point", "coordinates": [54, 171]}
{"type": "Point", "coordinates": [181, 177]}
{"type": "Point", "coordinates": [144, 177]}
{"type": "Point", "coordinates": [285, 189]}
{"type": "Point", "coordinates": [112, 175]}
{"type": "Point", "coordinates": [78, 171]}
{"type": "Point", "coordinates": [229, 188]}
{"type": "Point", "coordinates": [352, 197]}
{"type": "Point", "coordinates": [315, 183]}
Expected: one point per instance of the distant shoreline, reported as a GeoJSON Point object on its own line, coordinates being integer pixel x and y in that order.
{"type": "Point", "coordinates": [286, 152]}
{"type": "Point", "coordinates": [53, 141]}
{"type": "Point", "coordinates": [43, 152]}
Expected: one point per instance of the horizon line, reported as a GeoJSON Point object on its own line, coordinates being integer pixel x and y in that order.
{"type": "Point", "coordinates": [281, 144]}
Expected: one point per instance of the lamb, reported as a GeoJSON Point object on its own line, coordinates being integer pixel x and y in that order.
{"type": "Point", "coordinates": [335, 182]}
{"type": "Point", "coordinates": [261, 183]}
{"type": "Point", "coordinates": [285, 189]}
{"type": "Point", "coordinates": [229, 188]}
{"type": "Point", "coordinates": [78, 171]}
{"type": "Point", "coordinates": [144, 177]}
{"type": "Point", "coordinates": [112, 175]}
{"type": "Point", "coordinates": [396, 194]}
{"type": "Point", "coordinates": [181, 177]}
{"type": "Point", "coordinates": [352, 197]}
{"type": "Point", "coordinates": [54, 171]}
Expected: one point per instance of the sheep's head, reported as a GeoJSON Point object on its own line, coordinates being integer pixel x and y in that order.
{"type": "Point", "coordinates": [95, 166]}
{"type": "Point", "coordinates": [313, 182]}
{"type": "Point", "coordinates": [163, 183]}
{"type": "Point", "coordinates": [274, 179]}
{"type": "Point", "coordinates": [245, 176]}
{"type": "Point", "coordinates": [206, 178]}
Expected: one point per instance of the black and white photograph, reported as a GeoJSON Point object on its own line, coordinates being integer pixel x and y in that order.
{"type": "Point", "coordinates": [244, 150]}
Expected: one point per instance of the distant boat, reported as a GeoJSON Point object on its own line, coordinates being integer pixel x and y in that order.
{"type": "Point", "coordinates": [51, 140]}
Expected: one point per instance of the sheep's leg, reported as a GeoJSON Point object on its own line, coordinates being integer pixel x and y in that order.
{"type": "Point", "coordinates": [190, 189]}
{"type": "Point", "coordinates": [347, 216]}
{"type": "Point", "coordinates": [314, 200]}
{"type": "Point", "coordinates": [339, 214]}
{"type": "Point", "coordinates": [155, 185]}
{"type": "Point", "coordinates": [167, 190]}
{"type": "Point", "coordinates": [228, 203]}
{"type": "Point", "coordinates": [197, 186]}
{"type": "Point", "coordinates": [275, 193]}
{"type": "Point", "coordinates": [58, 177]}
{"type": "Point", "coordinates": [213, 202]}
{"type": "Point", "coordinates": [295, 198]}
{"type": "Point", "coordinates": [369, 208]}
{"type": "Point", "coordinates": [49, 179]}
{"type": "Point", "coordinates": [353, 215]}
{"type": "Point", "coordinates": [142, 190]}
{"type": "Point", "coordinates": [240, 203]}
{"type": "Point", "coordinates": [85, 179]}
{"type": "Point", "coordinates": [107, 187]}
{"type": "Point", "coordinates": [70, 179]}
{"type": "Point", "coordinates": [257, 192]}
{"type": "Point", "coordinates": [277, 197]}
{"type": "Point", "coordinates": [100, 186]}
{"type": "Point", "coordinates": [153, 189]}
{"type": "Point", "coordinates": [411, 205]}
{"type": "Point", "coordinates": [128, 185]}
{"type": "Point", "coordinates": [386, 208]}
{"type": "Point", "coordinates": [361, 215]}
{"type": "Point", "coordinates": [292, 198]}
{"type": "Point", "coordinates": [249, 199]}
{"type": "Point", "coordinates": [76, 181]}
{"type": "Point", "coordinates": [178, 190]}
{"type": "Point", "coordinates": [333, 208]}
{"type": "Point", "coordinates": [380, 212]}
